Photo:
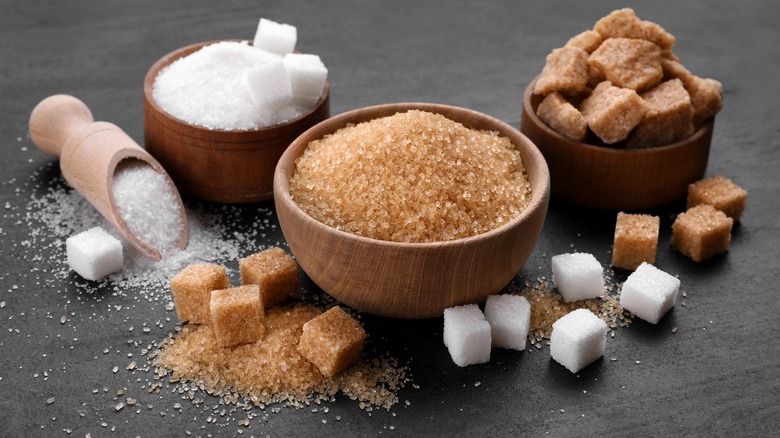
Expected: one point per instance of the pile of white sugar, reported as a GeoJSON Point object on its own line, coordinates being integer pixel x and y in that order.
{"type": "Point", "coordinates": [148, 205]}
{"type": "Point", "coordinates": [235, 86]}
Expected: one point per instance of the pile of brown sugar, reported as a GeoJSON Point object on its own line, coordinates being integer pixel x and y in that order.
{"type": "Point", "coordinates": [547, 306]}
{"type": "Point", "coordinates": [273, 371]}
{"type": "Point", "coordinates": [411, 177]}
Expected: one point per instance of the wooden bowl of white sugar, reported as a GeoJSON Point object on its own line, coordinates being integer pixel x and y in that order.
{"type": "Point", "coordinates": [403, 210]}
{"type": "Point", "coordinates": [218, 151]}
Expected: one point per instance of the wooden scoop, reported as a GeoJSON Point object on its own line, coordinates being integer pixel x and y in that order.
{"type": "Point", "coordinates": [89, 151]}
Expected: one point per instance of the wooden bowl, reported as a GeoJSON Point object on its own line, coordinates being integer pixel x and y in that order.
{"type": "Point", "coordinates": [219, 165]}
{"type": "Point", "coordinates": [411, 280]}
{"type": "Point", "coordinates": [617, 179]}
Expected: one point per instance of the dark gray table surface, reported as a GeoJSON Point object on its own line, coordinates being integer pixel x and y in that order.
{"type": "Point", "coordinates": [719, 375]}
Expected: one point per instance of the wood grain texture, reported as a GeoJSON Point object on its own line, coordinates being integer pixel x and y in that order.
{"type": "Point", "coordinates": [411, 280]}
{"type": "Point", "coordinates": [89, 152]}
{"type": "Point", "coordinates": [214, 164]}
{"type": "Point", "coordinates": [617, 179]}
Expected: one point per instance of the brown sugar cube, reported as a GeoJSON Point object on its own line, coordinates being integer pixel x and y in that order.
{"type": "Point", "coordinates": [332, 341]}
{"type": "Point", "coordinates": [629, 63]}
{"type": "Point", "coordinates": [706, 94]}
{"type": "Point", "coordinates": [595, 76]}
{"type": "Point", "coordinates": [562, 117]}
{"type": "Point", "coordinates": [669, 116]}
{"type": "Point", "coordinates": [274, 271]}
{"type": "Point", "coordinates": [612, 112]}
{"type": "Point", "coordinates": [237, 315]}
{"type": "Point", "coordinates": [702, 232]}
{"type": "Point", "coordinates": [719, 192]}
{"type": "Point", "coordinates": [624, 23]}
{"type": "Point", "coordinates": [588, 40]}
{"type": "Point", "coordinates": [636, 240]}
{"type": "Point", "coordinates": [191, 289]}
{"type": "Point", "coordinates": [566, 71]}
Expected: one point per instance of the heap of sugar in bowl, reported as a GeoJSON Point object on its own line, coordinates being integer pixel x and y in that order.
{"type": "Point", "coordinates": [414, 176]}
{"type": "Point", "coordinates": [232, 85]}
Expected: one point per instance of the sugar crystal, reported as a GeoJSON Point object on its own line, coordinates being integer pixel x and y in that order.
{"type": "Point", "coordinates": [148, 205]}
{"type": "Point", "coordinates": [411, 177]}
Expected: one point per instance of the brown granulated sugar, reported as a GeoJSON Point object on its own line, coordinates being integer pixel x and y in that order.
{"type": "Point", "coordinates": [272, 370]}
{"type": "Point", "coordinates": [411, 177]}
{"type": "Point", "coordinates": [547, 306]}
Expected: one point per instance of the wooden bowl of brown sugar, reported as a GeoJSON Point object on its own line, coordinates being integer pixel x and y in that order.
{"type": "Point", "coordinates": [612, 178]}
{"type": "Point", "coordinates": [421, 276]}
{"type": "Point", "coordinates": [219, 165]}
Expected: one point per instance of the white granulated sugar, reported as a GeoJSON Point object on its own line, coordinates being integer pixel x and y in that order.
{"type": "Point", "coordinates": [205, 89]}
{"type": "Point", "coordinates": [213, 238]}
{"type": "Point", "coordinates": [148, 205]}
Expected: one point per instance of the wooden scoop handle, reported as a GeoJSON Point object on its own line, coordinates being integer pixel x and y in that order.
{"type": "Point", "coordinates": [56, 119]}
{"type": "Point", "coordinates": [90, 152]}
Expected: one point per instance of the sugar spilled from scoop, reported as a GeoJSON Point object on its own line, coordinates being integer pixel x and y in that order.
{"type": "Point", "coordinates": [148, 206]}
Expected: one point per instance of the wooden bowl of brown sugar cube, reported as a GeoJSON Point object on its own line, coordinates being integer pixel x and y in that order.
{"type": "Point", "coordinates": [610, 178]}
{"type": "Point", "coordinates": [213, 149]}
{"type": "Point", "coordinates": [622, 124]}
{"type": "Point", "coordinates": [387, 210]}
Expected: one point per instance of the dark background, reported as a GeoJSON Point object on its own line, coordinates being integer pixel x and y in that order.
{"type": "Point", "coordinates": [719, 375]}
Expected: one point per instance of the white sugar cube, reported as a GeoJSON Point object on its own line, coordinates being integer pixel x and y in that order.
{"type": "Point", "coordinates": [649, 293]}
{"type": "Point", "coordinates": [509, 317]}
{"type": "Point", "coordinates": [275, 37]}
{"type": "Point", "coordinates": [94, 253]}
{"type": "Point", "coordinates": [268, 85]}
{"type": "Point", "coordinates": [307, 76]}
{"type": "Point", "coordinates": [578, 339]}
{"type": "Point", "coordinates": [578, 276]}
{"type": "Point", "coordinates": [467, 335]}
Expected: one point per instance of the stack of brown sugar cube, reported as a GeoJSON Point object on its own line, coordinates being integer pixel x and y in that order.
{"type": "Point", "coordinates": [622, 82]}
{"type": "Point", "coordinates": [202, 294]}
{"type": "Point", "coordinates": [704, 230]}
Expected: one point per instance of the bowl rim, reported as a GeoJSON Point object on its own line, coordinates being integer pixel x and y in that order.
{"type": "Point", "coordinates": [530, 113]}
{"type": "Point", "coordinates": [175, 55]}
{"type": "Point", "coordinates": [539, 195]}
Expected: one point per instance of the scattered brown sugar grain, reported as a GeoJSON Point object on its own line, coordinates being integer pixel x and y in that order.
{"type": "Point", "coordinates": [272, 370]}
{"type": "Point", "coordinates": [411, 177]}
{"type": "Point", "coordinates": [548, 306]}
